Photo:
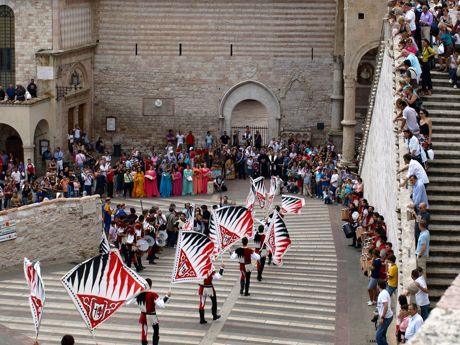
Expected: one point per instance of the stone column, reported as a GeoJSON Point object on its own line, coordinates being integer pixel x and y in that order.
{"type": "Point", "coordinates": [337, 96]}
{"type": "Point", "coordinates": [28, 153]}
{"type": "Point", "coordinates": [349, 121]}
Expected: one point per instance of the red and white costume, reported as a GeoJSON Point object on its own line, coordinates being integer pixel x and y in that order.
{"type": "Point", "coordinates": [245, 256]}
{"type": "Point", "coordinates": [261, 249]}
{"type": "Point", "coordinates": [207, 289]}
{"type": "Point", "coordinates": [147, 302]}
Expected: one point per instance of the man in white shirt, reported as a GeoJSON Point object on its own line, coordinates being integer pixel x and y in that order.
{"type": "Point", "coordinates": [334, 183]}
{"type": "Point", "coordinates": [407, 116]}
{"type": "Point", "coordinates": [180, 139]}
{"type": "Point", "coordinates": [413, 167]}
{"type": "Point", "coordinates": [415, 322]}
{"type": "Point", "coordinates": [409, 16]}
{"type": "Point", "coordinates": [413, 146]}
{"type": "Point", "coordinates": [16, 175]}
{"type": "Point", "coordinates": [385, 313]}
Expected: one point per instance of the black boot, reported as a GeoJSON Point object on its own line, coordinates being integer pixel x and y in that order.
{"type": "Point", "coordinates": [241, 287]}
{"type": "Point", "coordinates": [246, 286]}
{"type": "Point", "coordinates": [215, 316]}
{"type": "Point", "coordinates": [202, 320]}
{"type": "Point", "coordinates": [145, 342]}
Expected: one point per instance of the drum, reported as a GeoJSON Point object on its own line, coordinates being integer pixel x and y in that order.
{"type": "Point", "coordinates": [345, 214]}
{"type": "Point", "coordinates": [348, 230]}
{"type": "Point", "coordinates": [143, 245]}
{"type": "Point", "coordinates": [150, 240]}
{"type": "Point", "coordinates": [163, 235]}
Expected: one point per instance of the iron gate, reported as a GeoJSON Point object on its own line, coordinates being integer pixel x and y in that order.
{"type": "Point", "coordinates": [262, 130]}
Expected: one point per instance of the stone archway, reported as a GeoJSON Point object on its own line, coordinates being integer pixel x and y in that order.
{"type": "Point", "coordinates": [254, 91]}
{"type": "Point", "coordinates": [41, 135]}
{"type": "Point", "coordinates": [11, 142]}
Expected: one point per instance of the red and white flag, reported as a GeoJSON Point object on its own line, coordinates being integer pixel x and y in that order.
{"type": "Point", "coordinates": [259, 188]}
{"type": "Point", "coordinates": [277, 238]}
{"type": "Point", "coordinates": [272, 191]}
{"type": "Point", "coordinates": [188, 226]}
{"type": "Point", "coordinates": [37, 291]}
{"type": "Point", "coordinates": [101, 285]}
{"type": "Point", "coordinates": [228, 225]}
{"type": "Point", "coordinates": [193, 257]}
{"type": "Point", "coordinates": [251, 199]}
{"type": "Point", "coordinates": [291, 204]}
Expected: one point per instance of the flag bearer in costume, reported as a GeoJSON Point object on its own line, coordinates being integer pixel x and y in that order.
{"type": "Point", "coordinates": [207, 289]}
{"type": "Point", "coordinates": [245, 256]}
{"type": "Point", "coordinates": [148, 301]}
{"type": "Point", "coordinates": [261, 249]}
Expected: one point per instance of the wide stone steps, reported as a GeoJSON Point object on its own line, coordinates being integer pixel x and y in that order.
{"type": "Point", "coordinates": [299, 296]}
{"type": "Point", "coordinates": [444, 188]}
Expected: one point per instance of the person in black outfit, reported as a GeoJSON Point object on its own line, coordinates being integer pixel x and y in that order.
{"type": "Point", "coordinates": [20, 93]}
{"type": "Point", "coordinates": [2, 93]}
{"type": "Point", "coordinates": [206, 216]}
{"type": "Point", "coordinates": [32, 88]}
{"type": "Point", "coordinates": [258, 140]}
{"type": "Point", "coordinates": [264, 164]}
{"type": "Point", "coordinates": [225, 139]}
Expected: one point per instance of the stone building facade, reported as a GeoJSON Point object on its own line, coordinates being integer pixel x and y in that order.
{"type": "Point", "coordinates": [192, 59]}
{"type": "Point", "coordinates": [286, 67]}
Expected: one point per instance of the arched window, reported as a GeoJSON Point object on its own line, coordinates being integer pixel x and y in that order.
{"type": "Point", "coordinates": [6, 46]}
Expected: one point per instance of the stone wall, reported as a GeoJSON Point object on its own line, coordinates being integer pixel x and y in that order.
{"type": "Point", "coordinates": [285, 45]}
{"type": "Point", "coordinates": [61, 229]}
{"type": "Point", "coordinates": [380, 162]}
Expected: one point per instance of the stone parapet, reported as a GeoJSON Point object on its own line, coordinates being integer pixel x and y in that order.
{"type": "Point", "coordinates": [60, 229]}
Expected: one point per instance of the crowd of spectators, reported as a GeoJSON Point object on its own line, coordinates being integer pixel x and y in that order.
{"type": "Point", "coordinates": [19, 93]}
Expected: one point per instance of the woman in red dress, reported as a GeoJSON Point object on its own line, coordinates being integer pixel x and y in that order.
{"type": "Point", "coordinates": [150, 183]}
{"type": "Point", "coordinates": [205, 175]}
{"type": "Point", "coordinates": [177, 182]}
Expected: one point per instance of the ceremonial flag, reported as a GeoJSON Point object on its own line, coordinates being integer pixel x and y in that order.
{"type": "Point", "coordinates": [291, 204]}
{"type": "Point", "coordinates": [188, 226]}
{"type": "Point", "coordinates": [277, 238]}
{"type": "Point", "coordinates": [251, 199]}
{"type": "Point", "coordinates": [193, 257]}
{"type": "Point", "coordinates": [259, 188]}
{"type": "Point", "coordinates": [228, 225]}
{"type": "Point", "coordinates": [37, 291]}
{"type": "Point", "coordinates": [104, 246]}
{"type": "Point", "coordinates": [272, 191]}
{"type": "Point", "coordinates": [101, 285]}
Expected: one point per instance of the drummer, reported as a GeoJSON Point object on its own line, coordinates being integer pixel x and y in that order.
{"type": "Point", "coordinates": [139, 235]}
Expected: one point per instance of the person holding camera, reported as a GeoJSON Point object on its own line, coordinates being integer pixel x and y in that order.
{"type": "Point", "coordinates": [385, 314]}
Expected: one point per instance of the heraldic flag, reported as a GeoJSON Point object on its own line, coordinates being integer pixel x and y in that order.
{"type": "Point", "coordinates": [37, 291]}
{"type": "Point", "coordinates": [228, 225]}
{"type": "Point", "coordinates": [277, 238]}
{"type": "Point", "coordinates": [101, 285]}
{"type": "Point", "coordinates": [251, 198]}
{"type": "Point", "coordinates": [193, 257]}
{"type": "Point", "coordinates": [104, 246]}
{"type": "Point", "coordinates": [272, 191]}
{"type": "Point", "coordinates": [291, 204]}
{"type": "Point", "coordinates": [261, 192]}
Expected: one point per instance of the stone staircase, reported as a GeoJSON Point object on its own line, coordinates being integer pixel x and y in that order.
{"type": "Point", "coordinates": [444, 188]}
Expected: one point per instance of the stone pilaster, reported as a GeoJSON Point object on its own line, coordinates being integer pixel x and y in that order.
{"type": "Point", "coordinates": [349, 121]}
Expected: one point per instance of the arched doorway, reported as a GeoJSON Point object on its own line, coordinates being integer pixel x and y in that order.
{"type": "Point", "coordinates": [253, 114]}
{"type": "Point", "coordinates": [11, 142]}
{"type": "Point", "coordinates": [253, 103]}
{"type": "Point", "coordinates": [41, 141]}
{"type": "Point", "coordinates": [364, 77]}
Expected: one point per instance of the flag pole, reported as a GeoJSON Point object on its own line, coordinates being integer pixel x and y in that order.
{"type": "Point", "coordinates": [94, 337]}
